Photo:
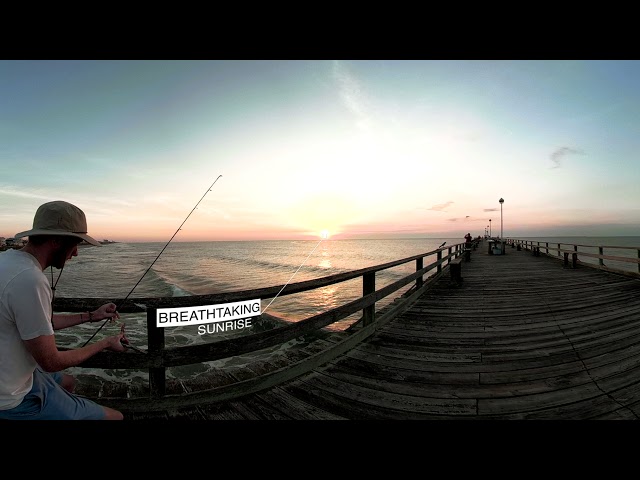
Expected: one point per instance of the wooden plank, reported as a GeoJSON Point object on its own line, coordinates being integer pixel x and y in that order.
{"type": "Point", "coordinates": [580, 410]}
{"type": "Point", "coordinates": [296, 408]}
{"type": "Point", "coordinates": [389, 400]}
{"type": "Point", "coordinates": [189, 413]}
{"type": "Point", "coordinates": [349, 409]}
{"type": "Point", "coordinates": [539, 401]}
{"type": "Point", "coordinates": [214, 412]}
{"type": "Point", "coordinates": [368, 350]}
{"type": "Point", "coordinates": [527, 374]}
{"type": "Point", "coordinates": [339, 406]}
{"type": "Point", "coordinates": [393, 372]}
{"type": "Point", "coordinates": [250, 409]}
{"type": "Point", "coordinates": [622, 413]}
{"type": "Point", "coordinates": [618, 377]}
{"type": "Point", "coordinates": [462, 391]}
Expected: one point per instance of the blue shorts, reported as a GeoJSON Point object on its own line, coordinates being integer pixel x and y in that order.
{"type": "Point", "coordinates": [47, 400]}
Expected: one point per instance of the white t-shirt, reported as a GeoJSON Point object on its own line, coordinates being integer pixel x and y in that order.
{"type": "Point", "coordinates": [25, 313]}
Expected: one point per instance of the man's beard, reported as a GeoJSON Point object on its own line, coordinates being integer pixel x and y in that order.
{"type": "Point", "coordinates": [59, 257]}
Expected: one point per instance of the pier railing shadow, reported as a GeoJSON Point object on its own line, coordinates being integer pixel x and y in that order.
{"type": "Point", "coordinates": [158, 357]}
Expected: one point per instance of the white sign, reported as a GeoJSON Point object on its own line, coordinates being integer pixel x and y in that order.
{"type": "Point", "coordinates": [183, 316]}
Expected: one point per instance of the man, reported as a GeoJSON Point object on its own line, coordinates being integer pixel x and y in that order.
{"type": "Point", "coordinates": [32, 385]}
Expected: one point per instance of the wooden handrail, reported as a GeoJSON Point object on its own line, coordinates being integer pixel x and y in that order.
{"type": "Point", "coordinates": [574, 251]}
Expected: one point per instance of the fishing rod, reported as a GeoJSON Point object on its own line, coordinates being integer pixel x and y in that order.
{"type": "Point", "coordinates": [143, 275]}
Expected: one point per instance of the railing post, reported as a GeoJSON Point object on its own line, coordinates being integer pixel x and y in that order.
{"type": "Point", "coordinates": [368, 286]}
{"type": "Point", "coordinates": [155, 339]}
{"type": "Point", "coordinates": [419, 265]}
{"type": "Point", "coordinates": [559, 254]}
{"type": "Point", "coordinates": [601, 252]}
{"type": "Point", "coordinates": [547, 247]}
{"type": "Point", "coordinates": [449, 259]}
{"type": "Point", "coordinates": [639, 259]}
{"type": "Point", "coordinates": [440, 259]}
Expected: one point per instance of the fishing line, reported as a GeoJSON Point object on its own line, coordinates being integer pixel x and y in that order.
{"type": "Point", "coordinates": [294, 273]}
{"type": "Point", "coordinates": [53, 289]}
{"type": "Point", "coordinates": [143, 275]}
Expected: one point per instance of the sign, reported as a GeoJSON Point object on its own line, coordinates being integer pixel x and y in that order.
{"type": "Point", "coordinates": [184, 316]}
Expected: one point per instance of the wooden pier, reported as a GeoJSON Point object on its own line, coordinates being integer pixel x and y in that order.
{"type": "Point", "coordinates": [519, 337]}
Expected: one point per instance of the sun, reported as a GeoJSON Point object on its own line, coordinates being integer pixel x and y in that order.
{"type": "Point", "coordinates": [324, 234]}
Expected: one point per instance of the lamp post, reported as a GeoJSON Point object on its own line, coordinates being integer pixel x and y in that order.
{"type": "Point", "coordinates": [501, 202]}
{"type": "Point", "coordinates": [489, 227]}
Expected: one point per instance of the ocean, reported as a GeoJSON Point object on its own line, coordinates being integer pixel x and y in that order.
{"type": "Point", "coordinates": [198, 268]}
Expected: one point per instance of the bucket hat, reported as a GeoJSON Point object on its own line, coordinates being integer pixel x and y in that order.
{"type": "Point", "coordinates": [59, 218]}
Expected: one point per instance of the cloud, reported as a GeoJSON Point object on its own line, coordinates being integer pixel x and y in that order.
{"type": "Point", "coordinates": [560, 153]}
{"type": "Point", "coordinates": [456, 219]}
{"type": "Point", "coordinates": [441, 207]}
{"type": "Point", "coordinates": [490, 209]}
{"type": "Point", "coordinates": [352, 95]}
{"type": "Point", "coordinates": [22, 193]}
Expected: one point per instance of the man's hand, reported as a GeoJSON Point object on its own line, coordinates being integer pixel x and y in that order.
{"type": "Point", "coordinates": [108, 310]}
{"type": "Point", "coordinates": [114, 342]}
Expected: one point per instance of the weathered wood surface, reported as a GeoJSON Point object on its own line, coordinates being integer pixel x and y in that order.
{"type": "Point", "coordinates": [522, 337]}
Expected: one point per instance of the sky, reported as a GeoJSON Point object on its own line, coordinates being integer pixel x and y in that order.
{"type": "Point", "coordinates": [306, 148]}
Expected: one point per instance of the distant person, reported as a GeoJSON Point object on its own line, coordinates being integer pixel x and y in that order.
{"type": "Point", "coordinates": [32, 385]}
{"type": "Point", "coordinates": [467, 238]}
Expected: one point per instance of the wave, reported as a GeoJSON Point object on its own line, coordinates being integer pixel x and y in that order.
{"type": "Point", "coordinates": [179, 292]}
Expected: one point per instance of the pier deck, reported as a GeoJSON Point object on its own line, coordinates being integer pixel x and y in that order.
{"type": "Point", "coordinates": [522, 337]}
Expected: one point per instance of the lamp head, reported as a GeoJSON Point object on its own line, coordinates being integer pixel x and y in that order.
{"type": "Point", "coordinates": [501, 200]}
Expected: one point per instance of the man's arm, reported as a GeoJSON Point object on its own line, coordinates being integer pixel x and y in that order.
{"type": "Point", "coordinates": [46, 353]}
{"type": "Point", "coordinates": [61, 321]}
{"type": "Point", "coordinates": [108, 310]}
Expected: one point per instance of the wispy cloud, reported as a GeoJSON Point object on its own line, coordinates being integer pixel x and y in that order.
{"type": "Point", "coordinates": [490, 209]}
{"type": "Point", "coordinates": [560, 153]}
{"type": "Point", "coordinates": [441, 207]}
{"type": "Point", "coordinates": [465, 219]}
{"type": "Point", "coordinates": [22, 193]}
{"type": "Point", "coordinates": [352, 95]}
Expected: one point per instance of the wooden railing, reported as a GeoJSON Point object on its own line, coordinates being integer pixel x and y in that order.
{"type": "Point", "coordinates": [158, 357]}
{"type": "Point", "coordinates": [565, 251]}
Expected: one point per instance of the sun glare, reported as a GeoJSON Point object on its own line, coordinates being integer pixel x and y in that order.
{"type": "Point", "coordinates": [324, 234]}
